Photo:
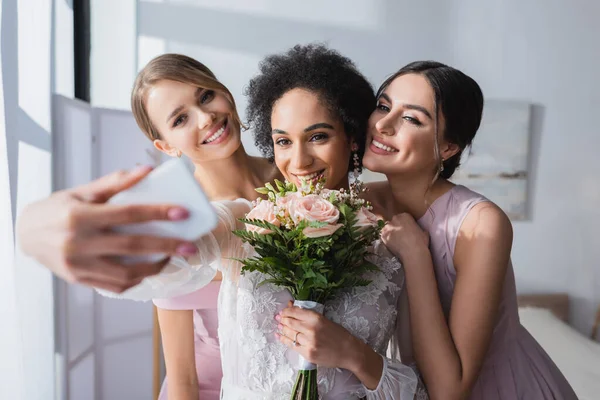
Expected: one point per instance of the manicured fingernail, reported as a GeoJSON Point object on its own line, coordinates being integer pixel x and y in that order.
{"type": "Point", "coordinates": [177, 214]}
{"type": "Point", "coordinates": [141, 169]}
{"type": "Point", "coordinates": [187, 249]}
{"type": "Point", "coordinates": [280, 327]}
{"type": "Point", "coordinates": [278, 317]}
{"type": "Point", "coordinates": [277, 335]}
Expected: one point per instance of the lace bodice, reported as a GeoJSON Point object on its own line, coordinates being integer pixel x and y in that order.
{"type": "Point", "coordinates": [255, 364]}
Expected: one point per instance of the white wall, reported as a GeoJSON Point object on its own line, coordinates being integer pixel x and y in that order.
{"type": "Point", "coordinates": [64, 56]}
{"type": "Point", "coordinates": [546, 53]}
{"type": "Point", "coordinates": [26, 290]}
{"type": "Point", "coordinates": [113, 52]}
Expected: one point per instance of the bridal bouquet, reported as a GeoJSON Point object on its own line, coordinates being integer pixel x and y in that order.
{"type": "Point", "coordinates": [314, 242]}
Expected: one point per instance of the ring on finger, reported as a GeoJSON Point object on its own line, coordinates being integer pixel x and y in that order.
{"type": "Point", "coordinates": [295, 342]}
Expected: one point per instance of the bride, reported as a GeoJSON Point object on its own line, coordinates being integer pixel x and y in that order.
{"type": "Point", "coordinates": [310, 107]}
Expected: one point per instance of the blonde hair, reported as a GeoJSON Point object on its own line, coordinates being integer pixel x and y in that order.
{"type": "Point", "coordinates": [178, 68]}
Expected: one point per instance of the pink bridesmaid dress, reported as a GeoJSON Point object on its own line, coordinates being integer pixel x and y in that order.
{"type": "Point", "coordinates": [516, 367]}
{"type": "Point", "coordinates": [208, 357]}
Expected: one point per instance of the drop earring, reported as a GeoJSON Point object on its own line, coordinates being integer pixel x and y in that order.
{"type": "Point", "coordinates": [357, 169]}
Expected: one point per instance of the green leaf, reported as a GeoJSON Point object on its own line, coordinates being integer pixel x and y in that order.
{"type": "Point", "coordinates": [270, 187]}
{"type": "Point", "coordinates": [290, 187]}
{"type": "Point", "coordinates": [320, 278]}
{"type": "Point", "coordinates": [332, 198]}
{"type": "Point", "coordinates": [317, 224]}
{"type": "Point", "coordinates": [261, 224]}
{"type": "Point", "coordinates": [280, 185]}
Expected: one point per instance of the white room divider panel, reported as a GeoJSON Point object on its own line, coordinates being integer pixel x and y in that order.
{"type": "Point", "coordinates": [104, 346]}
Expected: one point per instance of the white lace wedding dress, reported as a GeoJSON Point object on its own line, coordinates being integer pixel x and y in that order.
{"type": "Point", "coordinates": [255, 364]}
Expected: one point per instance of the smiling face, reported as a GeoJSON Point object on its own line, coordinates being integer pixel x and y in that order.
{"type": "Point", "coordinates": [402, 131]}
{"type": "Point", "coordinates": [309, 142]}
{"type": "Point", "coordinates": [193, 121]}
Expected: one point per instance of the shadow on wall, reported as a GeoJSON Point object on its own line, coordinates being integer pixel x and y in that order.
{"type": "Point", "coordinates": [21, 129]}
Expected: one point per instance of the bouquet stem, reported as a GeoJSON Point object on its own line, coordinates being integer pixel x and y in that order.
{"type": "Point", "coordinates": [305, 387]}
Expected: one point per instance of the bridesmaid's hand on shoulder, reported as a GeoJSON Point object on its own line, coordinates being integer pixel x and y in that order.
{"type": "Point", "coordinates": [404, 237]}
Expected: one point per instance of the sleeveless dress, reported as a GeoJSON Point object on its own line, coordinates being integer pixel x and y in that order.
{"type": "Point", "coordinates": [515, 367]}
{"type": "Point", "coordinates": [255, 365]}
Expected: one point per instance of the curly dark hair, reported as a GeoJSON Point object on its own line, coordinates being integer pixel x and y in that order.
{"type": "Point", "coordinates": [341, 87]}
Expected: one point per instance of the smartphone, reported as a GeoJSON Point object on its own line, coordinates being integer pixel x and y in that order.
{"type": "Point", "coordinates": [172, 182]}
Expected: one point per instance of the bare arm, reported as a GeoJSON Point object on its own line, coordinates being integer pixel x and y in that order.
{"type": "Point", "coordinates": [177, 331]}
{"type": "Point", "coordinates": [403, 330]}
{"type": "Point", "coordinates": [450, 355]}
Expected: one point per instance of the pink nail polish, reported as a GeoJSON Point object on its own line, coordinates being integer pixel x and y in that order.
{"type": "Point", "coordinates": [177, 214]}
{"type": "Point", "coordinates": [280, 327]}
{"type": "Point", "coordinates": [187, 249]}
{"type": "Point", "coordinates": [278, 317]}
{"type": "Point", "coordinates": [276, 335]}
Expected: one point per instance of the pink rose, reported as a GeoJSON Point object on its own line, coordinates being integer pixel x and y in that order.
{"type": "Point", "coordinates": [283, 203]}
{"type": "Point", "coordinates": [313, 208]}
{"type": "Point", "coordinates": [365, 219]}
{"type": "Point", "coordinates": [265, 211]}
{"type": "Point", "coordinates": [326, 230]}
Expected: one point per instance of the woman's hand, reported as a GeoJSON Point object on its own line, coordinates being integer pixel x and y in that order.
{"type": "Point", "coordinates": [70, 233]}
{"type": "Point", "coordinates": [403, 236]}
{"type": "Point", "coordinates": [327, 344]}
{"type": "Point", "coordinates": [319, 340]}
